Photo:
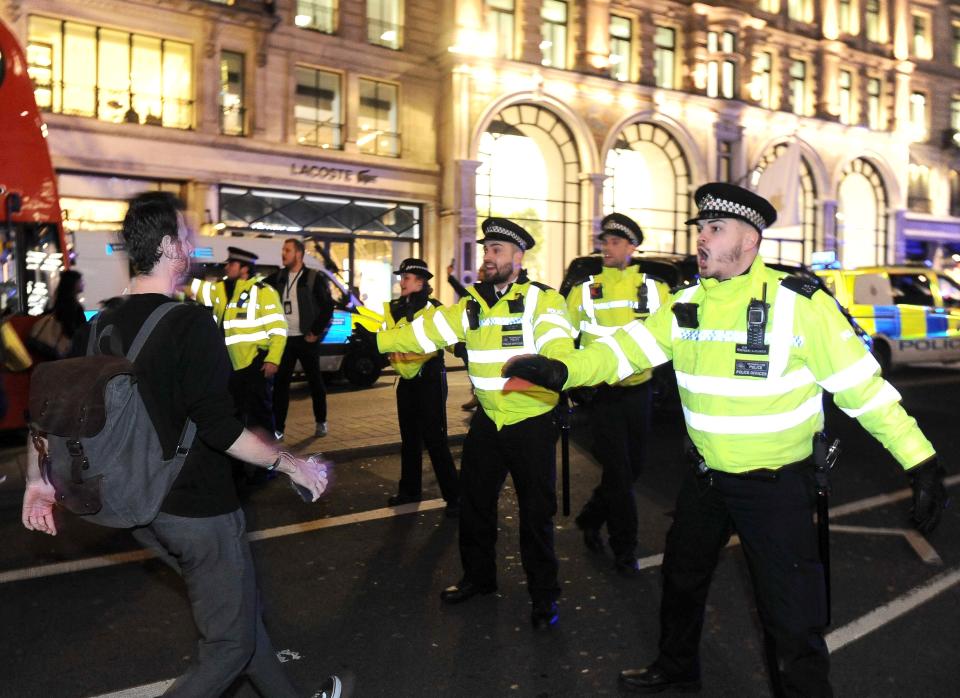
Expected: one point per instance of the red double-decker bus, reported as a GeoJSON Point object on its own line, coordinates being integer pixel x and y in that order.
{"type": "Point", "coordinates": [33, 245]}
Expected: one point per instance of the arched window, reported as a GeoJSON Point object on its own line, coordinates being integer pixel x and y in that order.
{"type": "Point", "coordinates": [530, 173]}
{"type": "Point", "coordinates": [862, 225]}
{"type": "Point", "coordinates": [792, 244]}
{"type": "Point", "coordinates": [648, 179]}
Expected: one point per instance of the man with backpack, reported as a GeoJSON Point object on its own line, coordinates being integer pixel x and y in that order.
{"type": "Point", "coordinates": [182, 376]}
{"type": "Point", "coordinates": [307, 307]}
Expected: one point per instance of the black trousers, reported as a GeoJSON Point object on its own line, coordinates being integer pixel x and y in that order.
{"type": "Point", "coordinates": [774, 520]}
{"type": "Point", "coordinates": [528, 451]}
{"type": "Point", "coordinates": [422, 411]}
{"type": "Point", "coordinates": [300, 349]}
{"type": "Point", "coordinates": [620, 424]}
{"type": "Point", "coordinates": [253, 396]}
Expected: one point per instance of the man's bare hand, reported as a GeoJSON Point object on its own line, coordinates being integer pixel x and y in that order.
{"type": "Point", "coordinates": [311, 474]}
{"type": "Point", "coordinates": [269, 369]}
{"type": "Point", "coordinates": [37, 513]}
{"type": "Point", "coordinates": [311, 337]}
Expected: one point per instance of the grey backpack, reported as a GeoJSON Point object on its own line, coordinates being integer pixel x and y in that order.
{"type": "Point", "coordinates": [103, 455]}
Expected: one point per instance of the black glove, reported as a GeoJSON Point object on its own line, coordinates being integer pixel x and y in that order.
{"type": "Point", "coordinates": [539, 370]}
{"type": "Point", "coordinates": [929, 495]}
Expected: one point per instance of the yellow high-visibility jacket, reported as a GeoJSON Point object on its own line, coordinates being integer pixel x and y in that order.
{"type": "Point", "coordinates": [611, 299]}
{"type": "Point", "coordinates": [406, 364]}
{"type": "Point", "coordinates": [252, 319]}
{"type": "Point", "coordinates": [530, 318]}
{"type": "Point", "coordinates": [749, 407]}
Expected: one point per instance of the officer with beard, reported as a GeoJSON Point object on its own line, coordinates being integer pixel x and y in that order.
{"type": "Point", "coordinates": [504, 316]}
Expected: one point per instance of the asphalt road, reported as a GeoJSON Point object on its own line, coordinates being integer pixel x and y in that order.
{"type": "Point", "coordinates": [353, 589]}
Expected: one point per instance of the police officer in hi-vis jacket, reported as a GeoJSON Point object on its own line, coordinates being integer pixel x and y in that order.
{"type": "Point", "coordinates": [512, 432]}
{"type": "Point", "coordinates": [620, 411]}
{"type": "Point", "coordinates": [421, 395]}
{"type": "Point", "coordinates": [753, 350]}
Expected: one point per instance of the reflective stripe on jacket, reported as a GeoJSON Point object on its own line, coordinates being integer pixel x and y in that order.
{"type": "Point", "coordinates": [617, 303]}
{"type": "Point", "coordinates": [746, 410]}
{"type": "Point", "coordinates": [502, 331]}
{"type": "Point", "coordinates": [252, 319]}
{"type": "Point", "coordinates": [406, 364]}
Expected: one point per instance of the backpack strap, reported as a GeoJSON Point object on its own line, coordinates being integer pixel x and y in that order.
{"type": "Point", "coordinates": [147, 329]}
{"type": "Point", "coordinates": [187, 435]}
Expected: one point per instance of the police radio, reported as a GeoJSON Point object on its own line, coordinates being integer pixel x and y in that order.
{"type": "Point", "coordinates": [473, 314]}
{"type": "Point", "coordinates": [643, 306]}
{"type": "Point", "coordinates": [758, 312]}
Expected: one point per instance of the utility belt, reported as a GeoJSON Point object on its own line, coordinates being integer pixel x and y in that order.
{"type": "Point", "coordinates": [820, 462]}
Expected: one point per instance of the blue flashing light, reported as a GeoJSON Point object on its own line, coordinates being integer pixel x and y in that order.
{"type": "Point", "coordinates": [90, 314]}
{"type": "Point", "coordinates": [202, 252]}
{"type": "Point", "coordinates": [341, 327]}
{"type": "Point", "coordinates": [825, 259]}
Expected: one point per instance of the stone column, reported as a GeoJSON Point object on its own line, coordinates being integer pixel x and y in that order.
{"type": "Point", "coordinates": [901, 100]}
{"type": "Point", "coordinates": [527, 32]}
{"type": "Point", "coordinates": [646, 30]}
{"type": "Point", "coordinates": [466, 224]}
{"type": "Point", "coordinates": [829, 210]}
{"type": "Point", "coordinates": [353, 21]}
{"type": "Point", "coordinates": [591, 211]}
{"type": "Point", "coordinates": [827, 97]}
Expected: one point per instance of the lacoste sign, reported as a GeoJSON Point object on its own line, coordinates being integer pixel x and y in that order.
{"type": "Point", "coordinates": [343, 175]}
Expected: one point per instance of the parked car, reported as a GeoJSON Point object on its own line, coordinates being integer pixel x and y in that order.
{"type": "Point", "coordinates": [912, 313]}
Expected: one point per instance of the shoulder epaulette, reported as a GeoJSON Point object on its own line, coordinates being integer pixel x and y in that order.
{"type": "Point", "coordinates": [434, 302]}
{"type": "Point", "coordinates": [542, 287]}
{"type": "Point", "coordinates": [804, 286]}
{"type": "Point", "coordinates": [679, 287]}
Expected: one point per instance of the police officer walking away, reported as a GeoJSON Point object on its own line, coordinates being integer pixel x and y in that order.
{"type": "Point", "coordinates": [753, 349]}
{"type": "Point", "coordinates": [255, 332]}
{"type": "Point", "coordinates": [513, 432]}
{"type": "Point", "coordinates": [307, 307]}
{"type": "Point", "coordinates": [619, 412]}
{"type": "Point", "coordinates": [421, 395]}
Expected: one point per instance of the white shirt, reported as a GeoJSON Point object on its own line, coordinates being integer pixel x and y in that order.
{"type": "Point", "coordinates": [289, 295]}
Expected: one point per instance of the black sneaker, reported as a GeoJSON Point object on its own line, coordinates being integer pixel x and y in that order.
{"type": "Point", "coordinates": [544, 614]}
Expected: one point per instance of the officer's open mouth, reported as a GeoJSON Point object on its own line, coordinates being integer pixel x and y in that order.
{"type": "Point", "coordinates": [702, 255]}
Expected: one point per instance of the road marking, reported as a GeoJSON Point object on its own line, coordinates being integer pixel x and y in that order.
{"type": "Point", "coordinates": [901, 605]}
{"type": "Point", "coordinates": [919, 544]}
{"type": "Point", "coordinates": [92, 563]}
{"type": "Point", "coordinates": [151, 690]}
{"type": "Point", "coordinates": [374, 515]}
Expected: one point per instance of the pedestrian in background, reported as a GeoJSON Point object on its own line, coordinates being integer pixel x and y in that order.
{"type": "Point", "coordinates": [308, 308]}
{"type": "Point", "coordinates": [421, 395]}
{"type": "Point", "coordinates": [52, 335]}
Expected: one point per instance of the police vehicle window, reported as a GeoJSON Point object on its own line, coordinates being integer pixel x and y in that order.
{"type": "Point", "coordinates": [950, 291]}
{"type": "Point", "coordinates": [911, 289]}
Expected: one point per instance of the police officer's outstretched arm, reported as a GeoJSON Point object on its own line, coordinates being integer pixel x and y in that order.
{"type": "Point", "coordinates": [435, 329]}
{"type": "Point", "coordinates": [633, 348]}
{"type": "Point", "coordinates": [841, 364]}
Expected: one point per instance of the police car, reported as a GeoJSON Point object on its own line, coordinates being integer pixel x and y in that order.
{"type": "Point", "coordinates": [911, 312]}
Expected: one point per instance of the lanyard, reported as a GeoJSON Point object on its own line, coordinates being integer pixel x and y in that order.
{"type": "Point", "coordinates": [291, 283]}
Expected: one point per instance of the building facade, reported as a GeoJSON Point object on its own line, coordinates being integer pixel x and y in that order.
{"type": "Point", "coordinates": [383, 129]}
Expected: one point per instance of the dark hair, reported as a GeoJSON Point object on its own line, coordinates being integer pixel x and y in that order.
{"type": "Point", "coordinates": [66, 308]}
{"type": "Point", "coordinates": [296, 242]}
{"type": "Point", "coordinates": [150, 217]}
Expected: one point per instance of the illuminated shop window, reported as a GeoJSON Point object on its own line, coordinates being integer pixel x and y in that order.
{"type": "Point", "coordinates": [500, 22]}
{"type": "Point", "coordinates": [530, 173]}
{"type": "Point", "coordinates": [792, 244]}
{"type": "Point", "coordinates": [318, 111]}
{"type": "Point", "coordinates": [320, 15]}
{"type": "Point", "coordinates": [862, 225]}
{"type": "Point", "coordinates": [553, 32]}
{"type": "Point", "coordinates": [648, 179]}
{"type": "Point", "coordinates": [379, 119]}
{"type": "Point", "coordinates": [233, 112]}
{"type": "Point", "coordinates": [665, 57]}
{"type": "Point", "coordinates": [385, 23]}
{"type": "Point", "coordinates": [113, 75]}
{"type": "Point", "coordinates": [621, 47]}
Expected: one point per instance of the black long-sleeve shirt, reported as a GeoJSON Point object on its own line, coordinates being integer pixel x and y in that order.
{"type": "Point", "coordinates": [182, 371]}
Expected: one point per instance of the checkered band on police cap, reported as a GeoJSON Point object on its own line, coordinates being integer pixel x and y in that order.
{"type": "Point", "coordinates": [621, 226]}
{"type": "Point", "coordinates": [414, 266]}
{"type": "Point", "coordinates": [505, 230]}
{"type": "Point", "coordinates": [722, 200]}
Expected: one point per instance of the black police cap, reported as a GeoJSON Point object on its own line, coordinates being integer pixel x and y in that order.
{"type": "Point", "coordinates": [722, 200]}
{"type": "Point", "coordinates": [621, 226]}
{"type": "Point", "coordinates": [235, 254]}
{"type": "Point", "coordinates": [412, 265]}
{"type": "Point", "coordinates": [505, 230]}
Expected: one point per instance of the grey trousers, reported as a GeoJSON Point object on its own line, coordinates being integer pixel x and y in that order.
{"type": "Point", "coordinates": [212, 556]}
